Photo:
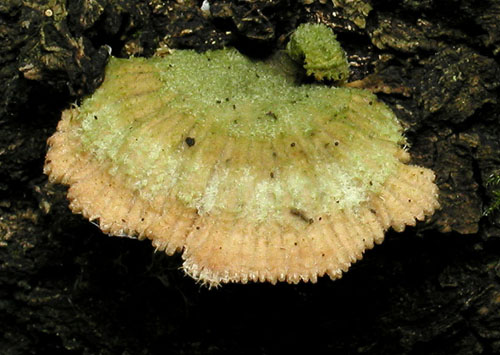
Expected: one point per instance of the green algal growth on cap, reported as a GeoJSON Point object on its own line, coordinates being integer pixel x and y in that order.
{"type": "Point", "coordinates": [255, 108]}
{"type": "Point", "coordinates": [317, 47]}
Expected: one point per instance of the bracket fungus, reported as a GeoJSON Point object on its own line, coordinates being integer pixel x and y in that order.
{"type": "Point", "coordinates": [251, 175]}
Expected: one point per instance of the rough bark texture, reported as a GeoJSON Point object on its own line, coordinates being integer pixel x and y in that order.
{"type": "Point", "coordinates": [65, 288]}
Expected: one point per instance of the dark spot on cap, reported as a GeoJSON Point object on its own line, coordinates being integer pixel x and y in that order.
{"type": "Point", "coordinates": [190, 141]}
{"type": "Point", "coordinates": [301, 214]}
{"type": "Point", "coordinates": [272, 115]}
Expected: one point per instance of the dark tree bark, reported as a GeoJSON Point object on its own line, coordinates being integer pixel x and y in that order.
{"type": "Point", "coordinates": [434, 289]}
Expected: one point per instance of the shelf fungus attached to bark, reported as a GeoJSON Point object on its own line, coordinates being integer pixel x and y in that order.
{"type": "Point", "coordinates": [252, 176]}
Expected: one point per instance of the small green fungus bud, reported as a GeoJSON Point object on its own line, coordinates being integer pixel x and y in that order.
{"type": "Point", "coordinates": [317, 47]}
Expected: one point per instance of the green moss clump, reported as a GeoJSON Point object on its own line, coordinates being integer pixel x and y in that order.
{"type": "Point", "coordinates": [493, 180]}
{"type": "Point", "coordinates": [317, 47]}
{"type": "Point", "coordinates": [355, 10]}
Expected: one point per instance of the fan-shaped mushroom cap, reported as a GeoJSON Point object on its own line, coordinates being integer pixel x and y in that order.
{"type": "Point", "coordinates": [253, 177]}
